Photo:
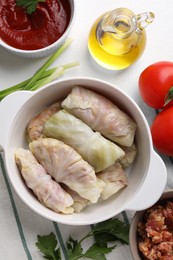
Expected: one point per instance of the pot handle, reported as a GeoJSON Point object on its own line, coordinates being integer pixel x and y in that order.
{"type": "Point", "coordinates": [9, 107]}
{"type": "Point", "coordinates": [149, 193]}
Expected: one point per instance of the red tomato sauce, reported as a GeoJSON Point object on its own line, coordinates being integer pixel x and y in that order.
{"type": "Point", "coordinates": [33, 31]}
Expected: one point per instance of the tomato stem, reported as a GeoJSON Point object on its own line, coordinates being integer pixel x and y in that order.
{"type": "Point", "coordinates": [169, 96]}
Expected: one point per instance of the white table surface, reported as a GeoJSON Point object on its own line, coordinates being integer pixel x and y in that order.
{"type": "Point", "coordinates": [18, 224]}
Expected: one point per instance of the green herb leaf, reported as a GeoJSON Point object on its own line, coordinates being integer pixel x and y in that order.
{"type": "Point", "coordinates": [48, 246]}
{"type": "Point", "coordinates": [74, 248]}
{"type": "Point", "coordinates": [97, 253]}
{"type": "Point", "coordinates": [111, 230]}
{"type": "Point", "coordinates": [29, 5]}
{"type": "Point", "coordinates": [103, 238]}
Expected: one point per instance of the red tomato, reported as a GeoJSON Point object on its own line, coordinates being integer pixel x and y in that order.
{"type": "Point", "coordinates": [155, 82]}
{"type": "Point", "coordinates": [162, 131]}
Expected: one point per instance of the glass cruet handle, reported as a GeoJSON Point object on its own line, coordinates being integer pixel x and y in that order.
{"type": "Point", "coordinates": [144, 19]}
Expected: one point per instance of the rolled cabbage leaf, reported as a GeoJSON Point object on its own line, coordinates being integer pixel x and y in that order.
{"type": "Point", "coordinates": [48, 191]}
{"type": "Point", "coordinates": [66, 166]}
{"type": "Point", "coordinates": [35, 126]}
{"type": "Point", "coordinates": [80, 203]}
{"type": "Point", "coordinates": [101, 115]}
{"type": "Point", "coordinates": [92, 146]}
{"type": "Point", "coordinates": [130, 154]}
{"type": "Point", "coordinates": [114, 178]}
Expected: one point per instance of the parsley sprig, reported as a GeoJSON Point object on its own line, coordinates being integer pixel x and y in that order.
{"type": "Point", "coordinates": [112, 230]}
{"type": "Point", "coordinates": [29, 5]}
{"type": "Point", "coordinates": [48, 246]}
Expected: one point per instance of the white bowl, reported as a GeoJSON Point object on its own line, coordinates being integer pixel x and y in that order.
{"type": "Point", "coordinates": [146, 172]}
{"type": "Point", "coordinates": [40, 53]}
{"type": "Point", "coordinates": [167, 195]}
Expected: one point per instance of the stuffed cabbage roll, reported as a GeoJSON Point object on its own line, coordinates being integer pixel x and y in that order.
{"type": "Point", "coordinates": [80, 203]}
{"type": "Point", "coordinates": [114, 178]}
{"type": "Point", "coordinates": [35, 126]}
{"type": "Point", "coordinates": [101, 115]}
{"type": "Point", "coordinates": [92, 146]}
{"type": "Point", "coordinates": [130, 154]}
{"type": "Point", "coordinates": [48, 191]}
{"type": "Point", "coordinates": [65, 165]}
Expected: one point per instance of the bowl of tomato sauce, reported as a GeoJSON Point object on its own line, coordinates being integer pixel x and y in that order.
{"type": "Point", "coordinates": [37, 29]}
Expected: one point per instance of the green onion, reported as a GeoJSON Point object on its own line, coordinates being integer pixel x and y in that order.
{"type": "Point", "coordinates": [42, 76]}
{"type": "Point", "coordinates": [55, 74]}
{"type": "Point", "coordinates": [39, 73]}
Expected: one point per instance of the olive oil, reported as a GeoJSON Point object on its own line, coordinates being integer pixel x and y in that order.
{"type": "Point", "coordinates": [113, 53]}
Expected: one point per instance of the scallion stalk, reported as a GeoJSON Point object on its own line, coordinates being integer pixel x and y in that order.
{"type": "Point", "coordinates": [38, 74]}
{"type": "Point", "coordinates": [22, 84]}
{"type": "Point", "coordinates": [55, 74]}
{"type": "Point", "coordinates": [42, 76]}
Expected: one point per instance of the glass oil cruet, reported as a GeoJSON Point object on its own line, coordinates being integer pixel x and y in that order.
{"type": "Point", "coordinates": [118, 38]}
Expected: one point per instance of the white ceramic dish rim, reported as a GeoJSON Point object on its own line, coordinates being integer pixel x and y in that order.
{"type": "Point", "coordinates": [53, 45]}
{"type": "Point", "coordinates": [19, 100]}
{"type": "Point", "coordinates": [133, 227]}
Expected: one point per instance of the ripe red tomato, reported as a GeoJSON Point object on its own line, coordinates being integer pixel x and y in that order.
{"type": "Point", "coordinates": [155, 82]}
{"type": "Point", "coordinates": [162, 131]}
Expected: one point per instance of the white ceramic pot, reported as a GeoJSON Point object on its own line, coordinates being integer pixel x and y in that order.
{"type": "Point", "coordinates": [147, 175]}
